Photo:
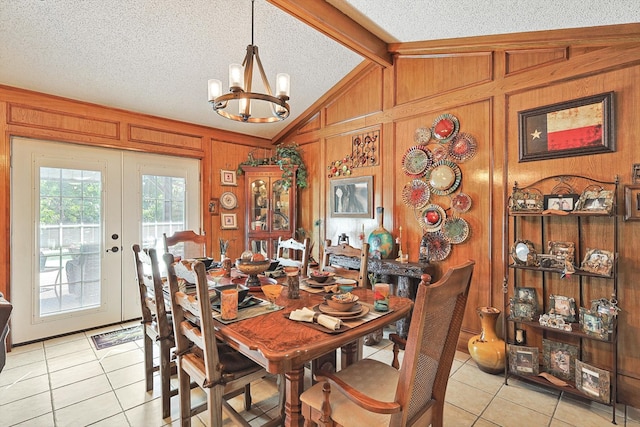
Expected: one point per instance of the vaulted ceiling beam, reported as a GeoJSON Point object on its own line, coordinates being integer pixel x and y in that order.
{"type": "Point", "coordinates": [333, 23]}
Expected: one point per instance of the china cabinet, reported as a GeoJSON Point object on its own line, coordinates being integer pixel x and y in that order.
{"type": "Point", "coordinates": [270, 209]}
{"type": "Point", "coordinates": [560, 286]}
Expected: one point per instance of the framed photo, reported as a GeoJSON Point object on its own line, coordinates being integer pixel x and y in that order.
{"type": "Point", "coordinates": [574, 128]}
{"type": "Point", "coordinates": [229, 221]}
{"type": "Point", "coordinates": [560, 202]}
{"type": "Point", "coordinates": [352, 197]}
{"type": "Point", "coordinates": [593, 381]}
{"type": "Point", "coordinates": [522, 310]}
{"type": "Point", "coordinates": [523, 253]}
{"type": "Point", "coordinates": [595, 201]}
{"type": "Point", "coordinates": [632, 202]}
{"type": "Point", "coordinates": [562, 306]}
{"type": "Point", "coordinates": [530, 200]}
{"type": "Point", "coordinates": [598, 261]}
{"type": "Point", "coordinates": [596, 323]}
{"type": "Point", "coordinates": [214, 206]}
{"type": "Point", "coordinates": [228, 177]}
{"type": "Point", "coordinates": [559, 359]}
{"type": "Point", "coordinates": [559, 255]}
{"type": "Point", "coordinates": [523, 360]}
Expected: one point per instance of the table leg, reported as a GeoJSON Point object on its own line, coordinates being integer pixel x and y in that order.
{"type": "Point", "coordinates": [350, 354]}
{"type": "Point", "coordinates": [294, 386]}
{"type": "Point", "coordinates": [404, 289]}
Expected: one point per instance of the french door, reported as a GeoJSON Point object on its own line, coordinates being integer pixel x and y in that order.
{"type": "Point", "coordinates": [76, 211]}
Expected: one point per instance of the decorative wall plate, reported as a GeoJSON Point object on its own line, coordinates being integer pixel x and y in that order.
{"type": "Point", "coordinates": [228, 200]}
{"type": "Point", "coordinates": [416, 161]}
{"type": "Point", "coordinates": [422, 136]}
{"type": "Point", "coordinates": [461, 202]}
{"type": "Point", "coordinates": [441, 152]}
{"type": "Point", "coordinates": [463, 147]}
{"type": "Point", "coordinates": [416, 194]}
{"type": "Point", "coordinates": [444, 177]}
{"type": "Point", "coordinates": [438, 247]}
{"type": "Point", "coordinates": [455, 230]}
{"type": "Point", "coordinates": [445, 127]}
{"type": "Point", "coordinates": [433, 217]}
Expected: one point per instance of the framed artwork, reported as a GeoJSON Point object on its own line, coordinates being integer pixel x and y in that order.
{"type": "Point", "coordinates": [229, 221]}
{"type": "Point", "coordinates": [352, 197]}
{"type": "Point", "coordinates": [531, 200]}
{"type": "Point", "coordinates": [521, 310]}
{"type": "Point", "coordinates": [632, 202]}
{"type": "Point", "coordinates": [560, 202]}
{"type": "Point", "coordinates": [214, 206]}
{"type": "Point", "coordinates": [574, 128]}
{"type": "Point", "coordinates": [595, 201]}
{"type": "Point", "coordinates": [559, 359]}
{"type": "Point", "coordinates": [596, 323]}
{"type": "Point", "coordinates": [593, 381]}
{"type": "Point", "coordinates": [228, 177]}
{"type": "Point", "coordinates": [563, 306]}
{"type": "Point", "coordinates": [523, 360]}
{"type": "Point", "coordinates": [598, 261]}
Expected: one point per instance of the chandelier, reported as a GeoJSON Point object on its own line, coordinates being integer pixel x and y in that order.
{"type": "Point", "coordinates": [240, 79]}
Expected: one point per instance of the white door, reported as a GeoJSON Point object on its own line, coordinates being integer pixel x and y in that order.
{"type": "Point", "coordinates": [76, 211]}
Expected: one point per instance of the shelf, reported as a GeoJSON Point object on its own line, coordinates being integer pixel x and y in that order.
{"type": "Point", "coordinates": [571, 388]}
{"type": "Point", "coordinates": [578, 272]}
{"type": "Point", "coordinates": [568, 214]}
{"type": "Point", "coordinates": [575, 331]}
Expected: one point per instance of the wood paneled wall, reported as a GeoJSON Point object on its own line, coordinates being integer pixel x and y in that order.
{"type": "Point", "coordinates": [485, 82]}
{"type": "Point", "coordinates": [34, 115]}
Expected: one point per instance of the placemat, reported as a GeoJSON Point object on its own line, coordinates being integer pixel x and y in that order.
{"type": "Point", "coordinates": [247, 313]}
{"type": "Point", "coordinates": [347, 323]}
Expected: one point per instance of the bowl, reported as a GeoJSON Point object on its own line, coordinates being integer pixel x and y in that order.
{"type": "Point", "coordinates": [320, 276]}
{"type": "Point", "coordinates": [252, 267]}
{"type": "Point", "coordinates": [242, 290]}
{"type": "Point", "coordinates": [339, 303]}
{"type": "Point", "coordinates": [345, 288]}
{"type": "Point", "coordinates": [206, 261]}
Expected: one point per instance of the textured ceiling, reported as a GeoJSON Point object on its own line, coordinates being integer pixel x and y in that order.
{"type": "Point", "coordinates": [155, 56]}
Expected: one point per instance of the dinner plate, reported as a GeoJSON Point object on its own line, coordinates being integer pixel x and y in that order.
{"type": "Point", "coordinates": [343, 281]}
{"type": "Point", "coordinates": [455, 230]}
{"type": "Point", "coordinates": [358, 310]}
{"type": "Point", "coordinates": [416, 161]}
{"type": "Point", "coordinates": [445, 127]}
{"type": "Point", "coordinates": [416, 194]}
{"type": "Point", "coordinates": [444, 178]}
{"type": "Point", "coordinates": [313, 284]}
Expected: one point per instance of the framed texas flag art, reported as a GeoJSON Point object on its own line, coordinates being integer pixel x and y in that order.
{"type": "Point", "coordinates": [574, 128]}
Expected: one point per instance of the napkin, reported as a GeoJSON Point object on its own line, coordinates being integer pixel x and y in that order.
{"type": "Point", "coordinates": [305, 314]}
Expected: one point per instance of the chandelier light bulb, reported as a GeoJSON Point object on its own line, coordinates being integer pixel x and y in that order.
{"type": "Point", "coordinates": [283, 85]}
{"type": "Point", "coordinates": [215, 89]}
{"type": "Point", "coordinates": [236, 77]}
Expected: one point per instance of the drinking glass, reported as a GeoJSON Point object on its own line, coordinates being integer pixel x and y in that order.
{"type": "Point", "coordinates": [272, 292]}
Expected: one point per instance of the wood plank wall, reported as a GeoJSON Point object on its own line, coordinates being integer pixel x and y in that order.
{"type": "Point", "coordinates": [484, 82]}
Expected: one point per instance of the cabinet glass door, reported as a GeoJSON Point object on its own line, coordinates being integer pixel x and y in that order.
{"type": "Point", "coordinates": [280, 220]}
{"type": "Point", "coordinates": [259, 205]}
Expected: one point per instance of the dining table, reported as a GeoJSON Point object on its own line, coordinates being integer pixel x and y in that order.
{"type": "Point", "coordinates": [283, 346]}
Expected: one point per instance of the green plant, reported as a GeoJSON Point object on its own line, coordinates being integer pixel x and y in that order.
{"type": "Point", "coordinates": [287, 157]}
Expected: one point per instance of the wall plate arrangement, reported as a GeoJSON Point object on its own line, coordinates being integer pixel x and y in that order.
{"type": "Point", "coordinates": [228, 200]}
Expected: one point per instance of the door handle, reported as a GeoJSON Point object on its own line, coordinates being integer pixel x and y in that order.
{"type": "Point", "coordinates": [113, 249]}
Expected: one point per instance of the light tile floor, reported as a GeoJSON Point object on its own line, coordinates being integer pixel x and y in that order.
{"type": "Point", "coordinates": [65, 382]}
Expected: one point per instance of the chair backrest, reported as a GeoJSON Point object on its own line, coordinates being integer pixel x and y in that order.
{"type": "Point", "coordinates": [347, 261]}
{"type": "Point", "coordinates": [193, 321]}
{"type": "Point", "coordinates": [5, 313]}
{"type": "Point", "coordinates": [150, 288]}
{"type": "Point", "coordinates": [186, 244]}
{"type": "Point", "coordinates": [297, 254]}
{"type": "Point", "coordinates": [431, 344]}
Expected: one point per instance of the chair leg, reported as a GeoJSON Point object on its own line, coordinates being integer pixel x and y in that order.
{"type": "Point", "coordinates": [185, 398]}
{"type": "Point", "coordinates": [247, 397]}
{"type": "Point", "coordinates": [148, 361]}
{"type": "Point", "coordinates": [214, 405]}
{"type": "Point", "coordinates": [165, 378]}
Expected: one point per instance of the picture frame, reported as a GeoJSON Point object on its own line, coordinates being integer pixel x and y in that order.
{"type": "Point", "coordinates": [351, 197]}
{"type": "Point", "coordinates": [608, 308]}
{"type": "Point", "coordinates": [595, 201]}
{"type": "Point", "coordinates": [523, 253]}
{"type": "Point", "coordinates": [531, 200]}
{"type": "Point", "coordinates": [562, 306]}
{"type": "Point", "coordinates": [632, 202]}
{"type": "Point", "coordinates": [560, 202]}
{"type": "Point", "coordinates": [522, 310]}
{"type": "Point", "coordinates": [558, 255]}
{"type": "Point", "coordinates": [523, 360]}
{"type": "Point", "coordinates": [593, 381]}
{"type": "Point", "coordinates": [595, 323]}
{"type": "Point", "coordinates": [574, 128]}
{"type": "Point", "coordinates": [228, 221]}
{"type": "Point", "coordinates": [214, 206]}
{"type": "Point", "coordinates": [559, 359]}
{"type": "Point", "coordinates": [228, 177]}
{"type": "Point", "coordinates": [598, 261]}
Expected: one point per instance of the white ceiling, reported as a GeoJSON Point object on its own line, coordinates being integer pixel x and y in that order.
{"type": "Point", "coordinates": [155, 56]}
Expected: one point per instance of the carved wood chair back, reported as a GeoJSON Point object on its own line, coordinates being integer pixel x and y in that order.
{"type": "Point", "coordinates": [186, 244]}
{"type": "Point", "coordinates": [347, 261]}
{"type": "Point", "coordinates": [297, 254]}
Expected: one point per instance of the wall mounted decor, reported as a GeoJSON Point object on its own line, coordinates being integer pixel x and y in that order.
{"type": "Point", "coordinates": [632, 202]}
{"type": "Point", "coordinates": [352, 197]}
{"type": "Point", "coordinates": [214, 206]}
{"type": "Point", "coordinates": [229, 221]}
{"type": "Point", "coordinates": [228, 177]}
{"type": "Point", "coordinates": [228, 200]}
{"type": "Point", "coordinates": [575, 128]}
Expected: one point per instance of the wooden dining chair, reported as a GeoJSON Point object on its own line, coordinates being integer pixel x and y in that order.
{"type": "Point", "coordinates": [186, 244]}
{"type": "Point", "coordinates": [297, 254]}
{"type": "Point", "coordinates": [219, 370]}
{"type": "Point", "coordinates": [371, 393]}
{"type": "Point", "coordinates": [158, 329]}
{"type": "Point", "coordinates": [347, 261]}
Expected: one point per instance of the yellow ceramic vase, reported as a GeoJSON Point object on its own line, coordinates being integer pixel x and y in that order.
{"type": "Point", "coordinates": [487, 349]}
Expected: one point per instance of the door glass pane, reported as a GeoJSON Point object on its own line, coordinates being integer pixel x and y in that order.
{"type": "Point", "coordinates": [259, 201]}
{"type": "Point", "coordinates": [70, 239]}
{"type": "Point", "coordinates": [280, 218]}
{"type": "Point", "coordinates": [163, 211]}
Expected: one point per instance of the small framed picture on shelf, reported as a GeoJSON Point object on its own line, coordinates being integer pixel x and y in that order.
{"type": "Point", "coordinates": [530, 200]}
{"type": "Point", "coordinates": [595, 324]}
{"type": "Point", "coordinates": [560, 202]}
{"type": "Point", "coordinates": [522, 311]}
{"type": "Point", "coordinates": [594, 382]}
{"type": "Point", "coordinates": [598, 261]}
{"type": "Point", "coordinates": [559, 359]}
{"type": "Point", "coordinates": [563, 252]}
{"type": "Point", "coordinates": [563, 306]}
{"type": "Point", "coordinates": [525, 294]}
{"type": "Point", "coordinates": [228, 221]}
{"type": "Point", "coordinates": [595, 201]}
{"type": "Point", "coordinates": [606, 307]}
{"type": "Point", "coordinates": [523, 360]}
